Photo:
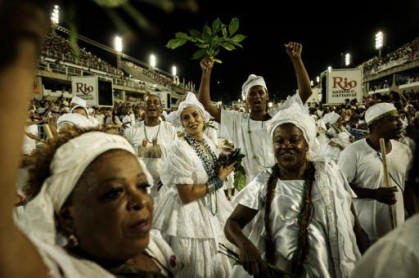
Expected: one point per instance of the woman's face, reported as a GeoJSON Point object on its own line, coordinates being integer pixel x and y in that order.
{"type": "Point", "coordinates": [111, 212]}
{"type": "Point", "coordinates": [290, 147]}
{"type": "Point", "coordinates": [192, 121]}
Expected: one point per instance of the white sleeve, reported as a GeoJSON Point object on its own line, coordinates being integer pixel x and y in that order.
{"type": "Point", "coordinates": [253, 195]}
{"type": "Point", "coordinates": [178, 167]}
{"type": "Point", "coordinates": [229, 124]}
{"type": "Point", "coordinates": [347, 163]}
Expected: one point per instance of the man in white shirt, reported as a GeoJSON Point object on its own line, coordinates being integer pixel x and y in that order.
{"type": "Point", "coordinates": [362, 164]}
{"type": "Point", "coordinates": [249, 131]}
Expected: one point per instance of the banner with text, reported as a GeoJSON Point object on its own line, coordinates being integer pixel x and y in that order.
{"type": "Point", "coordinates": [86, 88]}
{"type": "Point", "coordinates": [343, 84]}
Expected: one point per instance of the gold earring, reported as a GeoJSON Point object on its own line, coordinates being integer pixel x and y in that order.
{"type": "Point", "coordinates": [72, 240]}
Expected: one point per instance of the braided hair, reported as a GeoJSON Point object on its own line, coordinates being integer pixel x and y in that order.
{"type": "Point", "coordinates": [304, 219]}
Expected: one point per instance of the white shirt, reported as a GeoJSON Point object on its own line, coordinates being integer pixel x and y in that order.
{"type": "Point", "coordinates": [363, 167]}
{"type": "Point", "coordinates": [252, 138]}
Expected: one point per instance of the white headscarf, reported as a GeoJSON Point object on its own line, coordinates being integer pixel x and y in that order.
{"type": "Point", "coordinates": [190, 100]}
{"type": "Point", "coordinates": [252, 80]}
{"type": "Point", "coordinates": [68, 164]}
{"type": "Point", "coordinates": [301, 119]}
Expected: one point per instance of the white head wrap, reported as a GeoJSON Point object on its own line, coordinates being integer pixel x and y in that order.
{"type": "Point", "coordinates": [301, 119]}
{"type": "Point", "coordinates": [190, 100]}
{"type": "Point", "coordinates": [82, 107]}
{"type": "Point", "coordinates": [68, 164]}
{"type": "Point", "coordinates": [377, 111]}
{"type": "Point", "coordinates": [78, 101]}
{"type": "Point", "coordinates": [74, 119]}
{"type": "Point", "coordinates": [331, 117]}
{"type": "Point", "coordinates": [252, 80]}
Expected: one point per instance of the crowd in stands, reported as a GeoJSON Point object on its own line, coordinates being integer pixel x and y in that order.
{"type": "Point", "coordinates": [405, 54]}
{"type": "Point", "coordinates": [59, 48]}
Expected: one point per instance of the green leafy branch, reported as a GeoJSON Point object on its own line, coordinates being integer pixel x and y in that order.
{"type": "Point", "coordinates": [211, 40]}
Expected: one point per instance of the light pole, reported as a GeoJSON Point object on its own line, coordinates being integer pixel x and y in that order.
{"type": "Point", "coordinates": [153, 61]}
{"type": "Point", "coordinates": [347, 59]}
{"type": "Point", "coordinates": [118, 45]}
{"type": "Point", "coordinates": [174, 74]}
{"type": "Point", "coordinates": [379, 42]}
{"type": "Point", "coordinates": [55, 15]}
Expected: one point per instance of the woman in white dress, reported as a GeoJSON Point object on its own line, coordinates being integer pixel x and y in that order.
{"type": "Point", "coordinates": [192, 213]}
{"type": "Point", "coordinates": [304, 225]}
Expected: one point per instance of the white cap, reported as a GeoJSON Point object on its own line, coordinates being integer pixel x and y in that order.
{"type": "Point", "coordinates": [377, 111]}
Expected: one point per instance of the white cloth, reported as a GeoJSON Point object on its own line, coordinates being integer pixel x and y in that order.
{"type": "Point", "coordinates": [192, 229]}
{"type": "Point", "coordinates": [78, 101]}
{"type": "Point", "coordinates": [38, 219]}
{"type": "Point", "coordinates": [297, 116]}
{"type": "Point", "coordinates": [252, 80]}
{"type": "Point", "coordinates": [378, 110]}
{"type": "Point", "coordinates": [165, 134]}
{"type": "Point", "coordinates": [333, 251]}
{"type": "Point", "coordinates": [363, 167]}
{"type": "Point", "coordinates": [394, 255]}
{"type": "Point", "coordinates": [190, 100]}
{"type": "Point", "coordinates": [29, 144]}
{"type": "Point", "coordinates": [252, 138]}
{"type": "Point", "coordinates": [74, 119]}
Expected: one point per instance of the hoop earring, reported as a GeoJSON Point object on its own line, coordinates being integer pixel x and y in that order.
{"type": "Point", "coordinates": [72, 240]}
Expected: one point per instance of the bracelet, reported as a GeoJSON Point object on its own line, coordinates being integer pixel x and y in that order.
{"type": "Point", "coordinates": [210, 187]}
{"type": "Point", "coordinates": [214, 183]}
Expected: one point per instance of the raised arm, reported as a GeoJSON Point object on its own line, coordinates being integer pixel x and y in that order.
{"type": "Point", "coordinates": [294, 50]}
{"type": "Point", "coordinates": [23, 25]}
{"type": "Point", "coordinates": [204, 89]}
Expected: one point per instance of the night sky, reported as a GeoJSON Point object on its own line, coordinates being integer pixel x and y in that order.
{"type": "Point", "coordinates": [326, 31]}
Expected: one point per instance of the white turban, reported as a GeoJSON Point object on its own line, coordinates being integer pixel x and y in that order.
{"type": "Point", "coordinates": [74, 119]}
{"type": "Point", "coordinates": [301, 119]}
{"type": "Point", "coordinates": [377, 111]}
{"type": "Point", "coordinates": [252, 80]}
{"type": "Point", "coordinates": [190, 100]}
{"type": "Point", "coordinates": [68, 164]}
{"type": "Point", "coordinates": [78, 101]}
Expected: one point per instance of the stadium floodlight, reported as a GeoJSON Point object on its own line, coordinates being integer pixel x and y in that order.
{"type": "Point", "coordinates": [55, 15]}
{"type": "Point", "coordinates": [317, 79]}
{"type": "Point", "coordinates": [118, 45]}
{"type": "Point", "coordinates": [347, 59]}
{"type": "Point", "coordinates": [153, 61]}
{"type": "Point", "coordinates": [174, 70]}
{"type": "Point", "coordinates": [329, 68]}
{"type": "Point", "coordinates": [379, 42]}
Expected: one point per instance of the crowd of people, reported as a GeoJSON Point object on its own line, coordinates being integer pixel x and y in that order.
{"type": "Point", "coordinates": [104, 199]}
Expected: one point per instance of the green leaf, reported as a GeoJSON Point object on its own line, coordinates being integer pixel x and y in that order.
{"type": "Point", "coordinates": [234, 26]}
{"type": "Point", "coordinates": [224, 31]}
{"type": "Point", "coordinates": [238, 38]}
{"type": "Point", "coordinates": [175, 43]}
{"type": "Point", "coordinates": [181, 35]}
{"type": "Point", "coordinates": [228, 46]}
{"type": "Point", "coordinates": [206, 32]}
{"type": "Point", "coordinates": [237, 44]}
{"type": "Point", "coordinates": [216, 24]}
{"type": "Point", "coordinates": [217, 60]}
{"type": "Point", "coordinates": [195, 33]}
{"type": "Point", "coordinates": [202, 45]}
{"type": "Point", "coordinates": [199, 54]}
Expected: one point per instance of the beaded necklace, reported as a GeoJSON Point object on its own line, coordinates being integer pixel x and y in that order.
{"type": "Point", "coordinates": [210, 162]}
{"type": "Point", "coordinates": [146, 136]}
{"type": "Point", "coordinates": [255, 157]}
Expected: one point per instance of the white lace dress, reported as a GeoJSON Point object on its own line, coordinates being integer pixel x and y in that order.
{"type": "Point", "coordinates": [193, 230]}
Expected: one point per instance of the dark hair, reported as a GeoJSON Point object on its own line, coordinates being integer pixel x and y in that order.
{"type": "Point", "coordinates": [39, 168]}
